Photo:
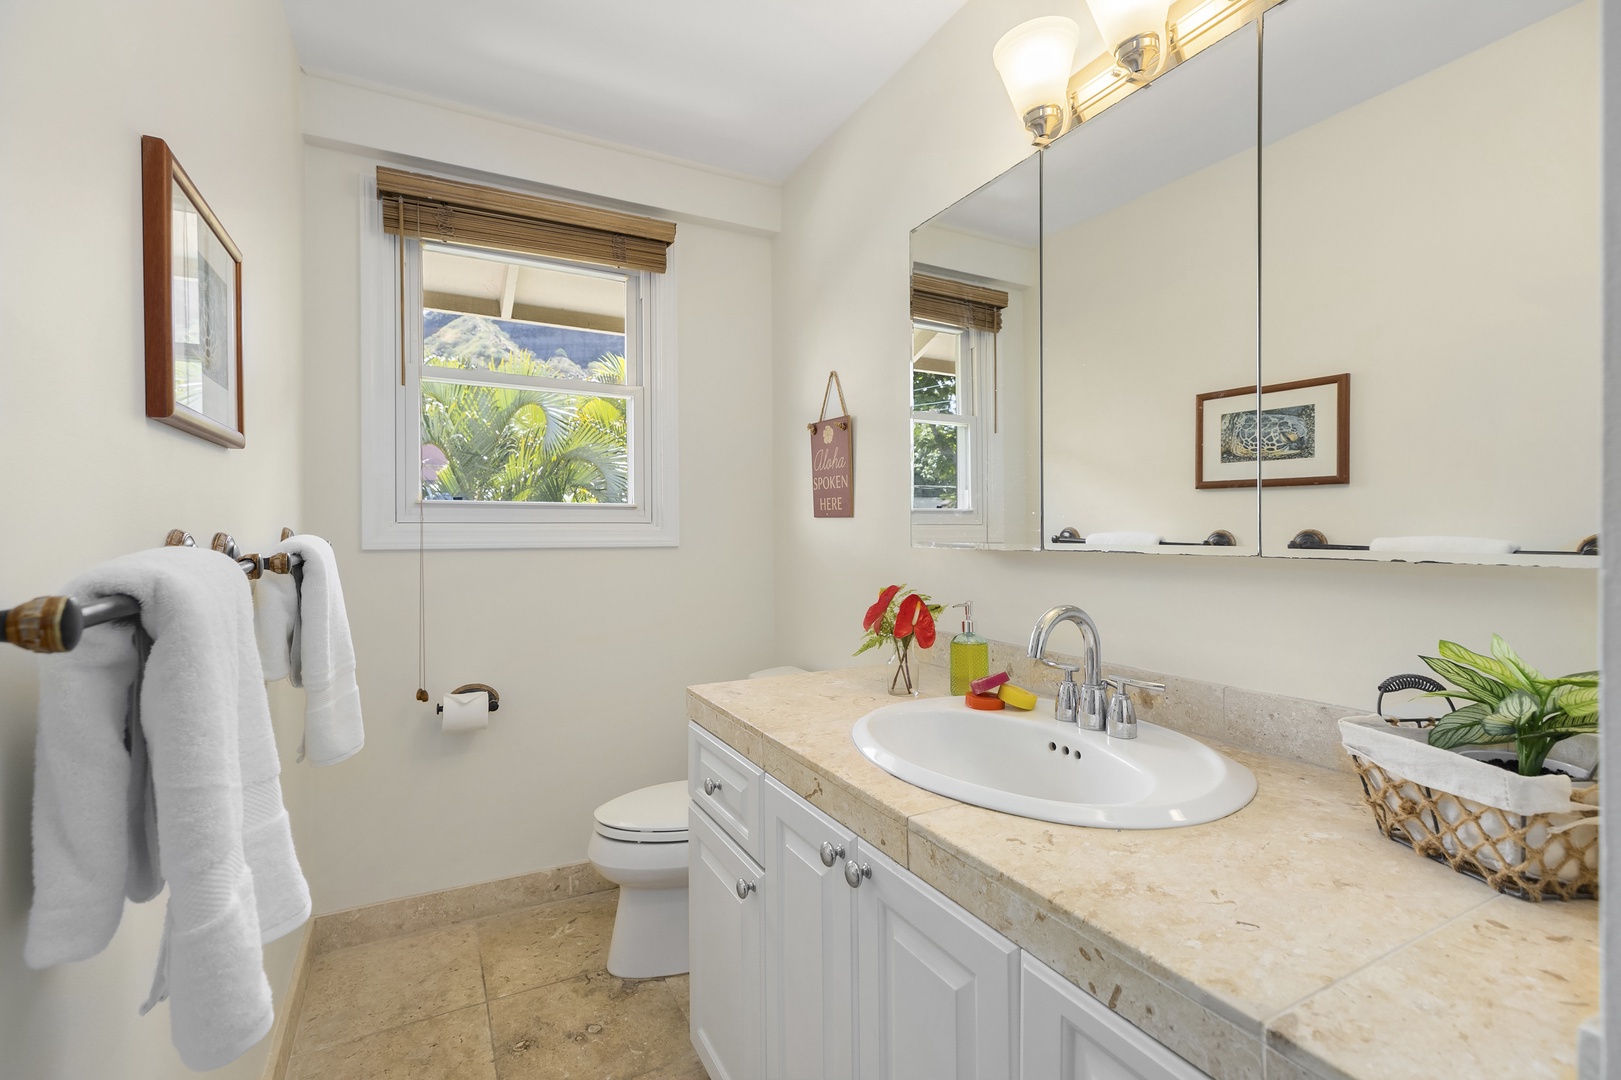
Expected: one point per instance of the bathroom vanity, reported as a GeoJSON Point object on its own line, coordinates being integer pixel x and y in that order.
{"type": "Point", "coordinates": [846, 924]}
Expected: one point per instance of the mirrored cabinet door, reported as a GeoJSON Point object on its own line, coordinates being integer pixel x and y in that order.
{"type": "Point", "coordinates": [1149, 293]}
{"type": "Point", "coordinates": [976, 368]}
{"type": "Point", "coordinates": [1430, 280]}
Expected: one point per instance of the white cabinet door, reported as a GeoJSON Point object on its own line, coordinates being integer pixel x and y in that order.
{"type": "Point", "coordinates": [938, 990]}
{"type": "Point", "coordinates": [810, 941]}
{"type": "Point", "coordinates": [726, 922]}
{"type": "Point", "coordinates": [1070, 1035]}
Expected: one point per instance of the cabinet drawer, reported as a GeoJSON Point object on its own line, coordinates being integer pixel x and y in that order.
{"type": "Point", "coordinates": [727, 786]}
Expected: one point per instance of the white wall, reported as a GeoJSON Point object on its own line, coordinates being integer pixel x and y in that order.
{"type": "Point", "coordinates": [1330, 631]}
{"type": "Point", "coordinates": [87, 476]}
{"type": "Point", "coordinates": [590, 649]}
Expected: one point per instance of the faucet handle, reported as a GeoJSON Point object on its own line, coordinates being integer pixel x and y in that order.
{"type": "Point", "coordinates": [1122, 712]}
{"type": "Point", "coordinates": [1120, 683]}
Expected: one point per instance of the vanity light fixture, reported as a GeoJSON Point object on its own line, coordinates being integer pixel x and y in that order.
{"type": "Point", "coordinates": [1035, 59]}
{"type": "Point", "coordinates": [1136, 33]}
{"type": "Point", "coordinates": [1200, 17]}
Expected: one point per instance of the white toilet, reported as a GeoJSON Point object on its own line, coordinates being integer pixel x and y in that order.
{"type": "Point", "coordinates": [640, 844]}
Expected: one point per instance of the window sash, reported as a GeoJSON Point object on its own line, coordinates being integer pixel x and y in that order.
{"type": "Point", "coordinates": [411, 507]}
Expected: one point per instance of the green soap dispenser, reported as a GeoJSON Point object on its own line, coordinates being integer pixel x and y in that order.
{"type": "Point", "coordinates": [970, 653]}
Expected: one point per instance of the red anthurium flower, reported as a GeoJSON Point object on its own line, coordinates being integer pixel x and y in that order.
{"type": "Point", "coordinates": [925, 628]}
{"type": "Point", "coordinates": [876, 613]}
{"type": "Point", "coordinates": [906, 617]}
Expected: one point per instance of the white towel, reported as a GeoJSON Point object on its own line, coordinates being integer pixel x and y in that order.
{"type": "Point", "coordinates": [1129, 540]}
{"type": "Point", "coordinates": [325, 657]}
{"type": "Point", "coordinates": [275, 617]}
{"type": "Point", "coordinates": [225, 844]}
{"type": "Point", "coordinates": [82, 778]}
{"type": "Point", "coordinates": [1457, 545]}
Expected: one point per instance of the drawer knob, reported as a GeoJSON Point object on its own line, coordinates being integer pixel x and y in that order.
{"type": "Point", "coordinates": [831, 852]}
{"type": "Point", "coordinates": [854, 872]}
{"type": "Point", "coordinates": [711, 785]}
{"type": "Point", "coordinates": [744, 888]}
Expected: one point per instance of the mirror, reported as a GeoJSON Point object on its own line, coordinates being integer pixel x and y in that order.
{"type": "Point", "coordinates": [1431, 241]}
{"type": "Point", "coordinates": [1149, 283]}
{"type": "Point", "coordinates": [976, 373]}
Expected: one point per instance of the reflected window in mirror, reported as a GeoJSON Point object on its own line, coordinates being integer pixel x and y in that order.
{"type": "Point", "coordinates": [943, 423]}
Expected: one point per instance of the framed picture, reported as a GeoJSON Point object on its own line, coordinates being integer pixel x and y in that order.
{"type": "Point", "coordinates": [193, 285]}
{"type": "Point", "coordinates": [1299, 431]}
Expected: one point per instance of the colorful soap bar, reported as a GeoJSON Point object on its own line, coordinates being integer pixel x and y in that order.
{"type": "Point", "coordinates": [1016, 696]}
{"type": "Point", "coordinates": [987, 702]}
{"type": "Point", "coordinates": [988, 684]}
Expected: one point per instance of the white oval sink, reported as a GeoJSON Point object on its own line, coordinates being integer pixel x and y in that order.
{"type": "Point", "coordinates": [1031, 765]}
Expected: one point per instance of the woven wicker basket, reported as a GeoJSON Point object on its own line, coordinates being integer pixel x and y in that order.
{"type": "Point", "coordinates": [1531, 856]}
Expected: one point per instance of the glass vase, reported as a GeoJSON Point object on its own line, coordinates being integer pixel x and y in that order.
{"type": "Point", "coordinates": [901, 684]}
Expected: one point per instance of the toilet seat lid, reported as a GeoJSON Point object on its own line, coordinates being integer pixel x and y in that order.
{"type": "Point", "coordinates": [660, 809]}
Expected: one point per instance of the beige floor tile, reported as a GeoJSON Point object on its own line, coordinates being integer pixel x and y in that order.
{"type": "Point", "coordinates": [453, 1046]}
{"type": "Point", "coordinates": [595, 1027]}
{"type": "Point", "coordinates": [682, 987]}
{"type": "Point", "coordinates": [688, 1068]}
{"type": "Point", "coordinates": [538, 946]}
{"type": "Point", "coordinates": [369, 988]}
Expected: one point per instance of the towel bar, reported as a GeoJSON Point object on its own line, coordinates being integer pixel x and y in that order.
{"type": "Point", "coordinates": [1314, 540]}
{"type": "Point", "coordinates": [1219, 538]}
{"type": "Point", "coordinates": [54, 624]}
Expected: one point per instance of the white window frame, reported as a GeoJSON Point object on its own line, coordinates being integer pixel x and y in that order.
{"type": "Point", "coordinates": [974, 387]}
{"type": "Point", "coordinates": [391, 508]}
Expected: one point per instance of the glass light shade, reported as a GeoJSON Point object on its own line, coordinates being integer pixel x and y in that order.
{"type": "Point", "coordinates": [1035, 59]}
{"type": "Point", "coordinates": [1120, 20]}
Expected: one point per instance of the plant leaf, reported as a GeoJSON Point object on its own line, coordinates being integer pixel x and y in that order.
{"type": "Point", "coordinates": [1577, 701]}
{"type": "Point", "coordinates": [1453, 731]}
{"type": "Point", "coordinates": [1480, 687]}
{"type": "Point", "coordinates": [1502, 651]}
{"type": "Point", "coordinates": [1517, 712]}
{"type": "Point", "coordinates": [1490, 665]}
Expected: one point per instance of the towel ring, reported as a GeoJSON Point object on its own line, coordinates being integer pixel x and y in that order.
{"type": "Point", "coordinates": [468, 688]}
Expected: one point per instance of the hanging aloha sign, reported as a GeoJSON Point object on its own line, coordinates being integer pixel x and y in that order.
{"type": "Point", "coordinates": [833, 466]}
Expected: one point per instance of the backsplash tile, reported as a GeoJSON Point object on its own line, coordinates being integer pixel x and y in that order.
{"type": "Point", "coordinates": [1276, 724]}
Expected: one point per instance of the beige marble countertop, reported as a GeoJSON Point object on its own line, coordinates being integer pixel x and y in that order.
{"type": "Point", "coordinates": [1289, 941]}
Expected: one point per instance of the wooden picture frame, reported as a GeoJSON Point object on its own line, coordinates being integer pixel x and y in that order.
{"type": "Point", "coordinates": [1301, 431]}
{"type": "Point", "coordinates": [193, 300]}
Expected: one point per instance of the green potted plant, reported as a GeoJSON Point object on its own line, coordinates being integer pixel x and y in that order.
{"type": "Point", "coordinates": [1510, 702]}
{"type": "Point", "coordinates": [897, 618]}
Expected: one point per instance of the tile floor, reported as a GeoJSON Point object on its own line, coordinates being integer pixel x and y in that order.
{"type": "Point", "coordinates": [518, 996]}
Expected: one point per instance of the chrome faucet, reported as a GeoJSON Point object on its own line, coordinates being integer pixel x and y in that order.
{"type": "Point", "coordinates": [1086, 704]}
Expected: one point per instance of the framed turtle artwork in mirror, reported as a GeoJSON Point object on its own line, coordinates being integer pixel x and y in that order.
{"type": "Point", "coordinates": [1299, 433]}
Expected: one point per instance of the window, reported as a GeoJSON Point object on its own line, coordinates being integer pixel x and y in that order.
{"type": "Point", "coordinates": [942, 418]}
{"type": "Point", "coordinates": [531, 403]}
{"type": "Point", "coordinates": [955, 450]}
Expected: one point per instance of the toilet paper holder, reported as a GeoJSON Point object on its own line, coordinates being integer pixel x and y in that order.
{"type": "Point", "coordinates": [468, 688]}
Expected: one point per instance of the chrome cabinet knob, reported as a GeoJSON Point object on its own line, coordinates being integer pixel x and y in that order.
{"type": "Point", "coordinates": [744, 888]}
{"type": "Point", "coordinates": [711, 786]}
{"type": "Point", "coordinates": [831, 852]}
{"type": "Point", "coordinates": [854, 872]}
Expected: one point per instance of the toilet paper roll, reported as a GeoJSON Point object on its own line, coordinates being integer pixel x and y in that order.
{"type": "Point", "coordinates": [466, 712]}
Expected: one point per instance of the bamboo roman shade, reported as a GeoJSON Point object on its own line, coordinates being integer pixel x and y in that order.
{"type": "Point", "coordinates": [454, 212]}
{"type": "Point", "coordinates": [957, 303]}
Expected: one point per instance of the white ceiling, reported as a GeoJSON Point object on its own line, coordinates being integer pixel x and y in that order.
{"type": "Point", "coordinates": [748, 86]}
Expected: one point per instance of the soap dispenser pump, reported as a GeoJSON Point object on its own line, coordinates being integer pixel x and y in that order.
{"type": "Point", "coordinates": [970, 653]}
